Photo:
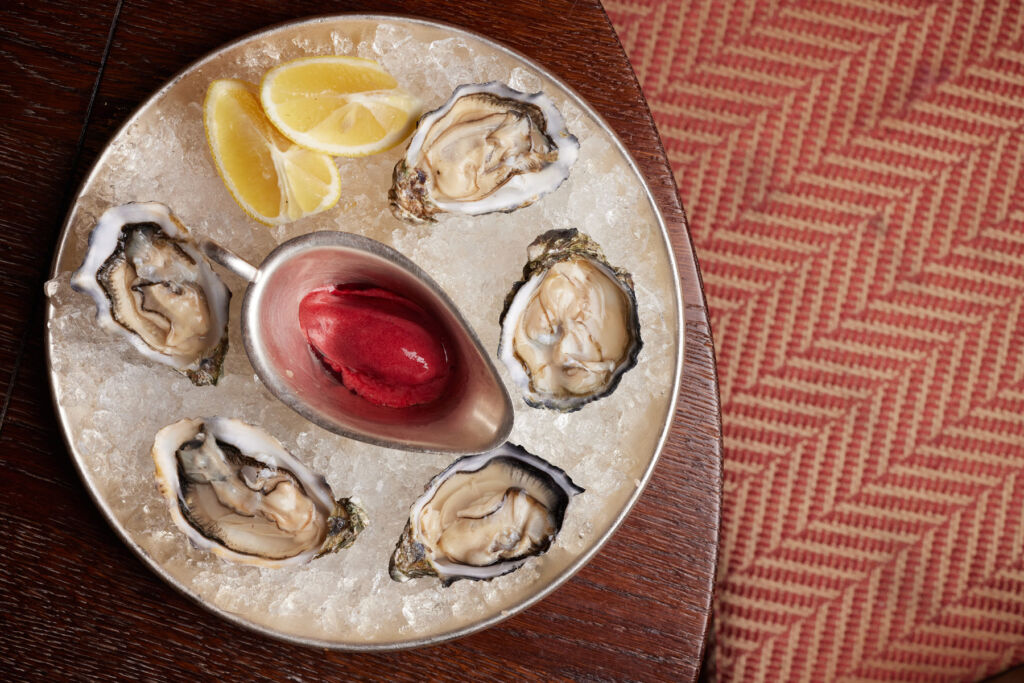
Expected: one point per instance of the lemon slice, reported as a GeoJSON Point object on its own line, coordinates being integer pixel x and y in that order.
{"type": "Point", "coordinates": [344, 106]}
{"type": "Point", "coordinates": [274, 180]}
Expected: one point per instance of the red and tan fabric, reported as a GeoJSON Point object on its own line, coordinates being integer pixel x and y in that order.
{"type": "Point", "coordinates": [852, 171]}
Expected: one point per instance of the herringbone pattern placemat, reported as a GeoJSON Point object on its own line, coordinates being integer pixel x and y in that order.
{"type": "Point", "coordinates": [853, 176]}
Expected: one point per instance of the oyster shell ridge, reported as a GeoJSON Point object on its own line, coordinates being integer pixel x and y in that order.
{"type": "Point", "coordinates": [344, 524]}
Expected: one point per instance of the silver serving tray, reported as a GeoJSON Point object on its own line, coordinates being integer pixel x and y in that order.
{"type": "Point", "coordinates": [346, 601]}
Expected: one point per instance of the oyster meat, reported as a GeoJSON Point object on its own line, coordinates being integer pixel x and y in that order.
{"type": "Point", "coordinates": [151, 284]}
{"type": "Point", "coordinates": [570, 327]}
{"type": "Point", "coordinates": [483, 516]}
{"type": "Point", "coordinates": [235, 491]}
{"type": "Point", "coordinates": [488, 148]}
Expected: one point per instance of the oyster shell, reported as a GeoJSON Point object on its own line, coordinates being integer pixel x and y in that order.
{"type": "Point", "coordinates": [569, 329]}
{"type": "Point", "coordinates": [151, 284]}
{"type": "Point", "coordinates": [235, 491]}
{"type": "Point", "coordinates": [483, 516]}
{"type": "Point", "coordinates": [488, 148]}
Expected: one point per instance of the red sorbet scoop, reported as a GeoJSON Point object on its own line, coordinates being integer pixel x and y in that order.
{"type": "Point", "coordinates": [381, 345]}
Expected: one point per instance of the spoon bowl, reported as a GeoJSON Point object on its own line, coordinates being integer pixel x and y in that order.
{"type": "Point", "coordinates": [473, 415]}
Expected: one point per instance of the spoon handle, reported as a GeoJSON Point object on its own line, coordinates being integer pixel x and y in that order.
{"type": "Point", "coordinates": [229, 259]}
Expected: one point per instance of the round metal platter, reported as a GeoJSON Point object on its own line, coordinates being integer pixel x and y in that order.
{"type": "Point", "coordinates": [111, 401]}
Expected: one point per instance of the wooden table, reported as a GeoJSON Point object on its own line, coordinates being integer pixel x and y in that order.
{"type": "Point", "coordinates": [78, 604]}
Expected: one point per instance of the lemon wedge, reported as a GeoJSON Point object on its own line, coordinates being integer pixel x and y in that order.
{"type": "Point", "coordinates": [274, 180]}
{"type": "Point", "coordinates": [339, 105]}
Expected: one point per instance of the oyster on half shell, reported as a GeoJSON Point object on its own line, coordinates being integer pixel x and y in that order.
{"type": "Point", "coordinates": [570, 327]}
{"type": "Point", "coordinates": [488, 148]}
{"type": "Point", "coordinates": [235, 491]}
{"type": "Point", "coordinates": [152, 285]}
{"type": "Point", "coordinates": [483, 516]}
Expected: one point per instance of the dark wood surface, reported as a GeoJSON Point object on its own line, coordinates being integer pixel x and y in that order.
{"type": "Point", "coordinates": [77, 604]}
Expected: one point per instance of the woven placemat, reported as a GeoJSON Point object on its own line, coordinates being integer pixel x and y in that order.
{"type": "Point", "coordinates": [852, 176]}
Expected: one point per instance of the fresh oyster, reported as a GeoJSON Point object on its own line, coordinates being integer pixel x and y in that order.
{"type": "Point", "coordinates": [570, 328]}
{"type": "Point", "coordinates": [488, 148]}
{"type": "Point", "coordinates": [235, 491]}
{"type": "Point", "coordinates": [483, 516]}
{"type": "Point", "coordinates": [151, 284]}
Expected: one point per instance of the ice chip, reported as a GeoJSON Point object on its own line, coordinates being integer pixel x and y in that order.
{"type": "Point", "coordinates": [524, 80]}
